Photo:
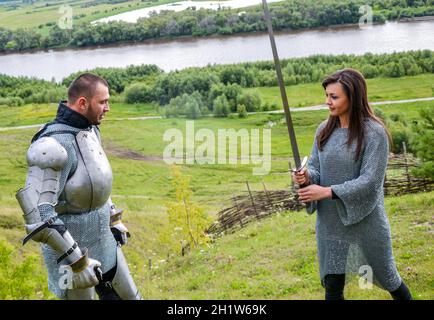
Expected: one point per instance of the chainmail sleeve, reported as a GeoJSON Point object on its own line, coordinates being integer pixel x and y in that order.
{"type": "Point", "coordinates": [360, 196]}
{"type": "Point", "coordinates": [313, 169]}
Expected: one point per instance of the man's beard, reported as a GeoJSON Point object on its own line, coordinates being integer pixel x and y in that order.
{"type": "Point", "coordinates": [94, 119]}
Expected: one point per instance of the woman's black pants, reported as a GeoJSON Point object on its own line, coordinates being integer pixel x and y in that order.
{"type": "Point", "coordinates": [334, 288]}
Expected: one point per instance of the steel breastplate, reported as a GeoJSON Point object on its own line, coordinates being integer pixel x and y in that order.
{"type": "Point", "coordinates": [91, 184]}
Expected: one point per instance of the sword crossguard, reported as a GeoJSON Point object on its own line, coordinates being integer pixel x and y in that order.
{"type": "Point", "coordinates": [302, 165]}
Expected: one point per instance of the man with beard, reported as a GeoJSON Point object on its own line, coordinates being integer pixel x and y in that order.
{"type": "Point", "coordinates": [66, 200]}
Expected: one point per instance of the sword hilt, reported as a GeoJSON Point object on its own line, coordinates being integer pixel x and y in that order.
{"type": "Point", "coordinates": [98, 273]}
{"type": "Point", "coordinates": [301, 167]}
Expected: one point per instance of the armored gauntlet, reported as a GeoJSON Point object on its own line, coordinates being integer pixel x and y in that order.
{"type": "Point", "coordinates": [119, 230]}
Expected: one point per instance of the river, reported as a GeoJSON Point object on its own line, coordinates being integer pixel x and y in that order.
{"type": "Point", "coordinates": [190, 52]}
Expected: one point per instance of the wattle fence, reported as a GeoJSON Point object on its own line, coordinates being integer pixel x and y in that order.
{"type": "Point", "coordinates": [256, 205]}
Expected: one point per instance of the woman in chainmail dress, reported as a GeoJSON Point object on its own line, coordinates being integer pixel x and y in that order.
{"type": "Point", "coordinates": [344, 179]}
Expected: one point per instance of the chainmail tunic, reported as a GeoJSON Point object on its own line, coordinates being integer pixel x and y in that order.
{"type": "Point", "coordinates": [353, 231]}
{"type": "Point", "coordinates": [90, 230]}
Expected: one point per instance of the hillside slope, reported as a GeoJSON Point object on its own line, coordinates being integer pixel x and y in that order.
{"type": "Point", "coordinates": [276, 259]}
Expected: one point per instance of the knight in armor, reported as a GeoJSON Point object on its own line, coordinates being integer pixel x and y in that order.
{"type": "Point", "coordinates": [66, 200]}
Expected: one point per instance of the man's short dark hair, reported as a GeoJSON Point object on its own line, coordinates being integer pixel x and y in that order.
{"type": "Point", "coordinates": [84, 86]}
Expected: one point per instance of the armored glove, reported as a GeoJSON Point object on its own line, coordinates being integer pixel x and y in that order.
{"type": "Point", "coordinates": [86, 272]}
{"type": "Point", "coordinates": [119, 230]}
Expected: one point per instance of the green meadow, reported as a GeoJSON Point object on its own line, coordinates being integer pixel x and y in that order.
{"type": "Point", "coordinates": [379, 89]}
{"type": "Point", "coordinates": [40, 13]}
{"type": "Point", "coordinates": [271, 259]}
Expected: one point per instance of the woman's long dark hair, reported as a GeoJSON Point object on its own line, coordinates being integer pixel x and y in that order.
{"type": "Point", "coordinates": [354, 85]}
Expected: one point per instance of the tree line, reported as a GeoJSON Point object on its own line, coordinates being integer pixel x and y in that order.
{"type": "Point", "coordinates": [195, 92]}
{"type": "Point", "coordinates": [291, 14]}
{"type": "Point", "coordinates": [216, 89]}
{"type": "Point", "coordinates": [16, 91]}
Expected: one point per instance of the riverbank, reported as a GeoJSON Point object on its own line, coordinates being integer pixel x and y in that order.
{"type": "Point", "coordinates": [178, 55]}
{"type": "Point", "coordinates": [171, 25]}
{"type": "Point", "coordinates": [191, 38]}
{"type": "Point", "coordinates": [416, 19]}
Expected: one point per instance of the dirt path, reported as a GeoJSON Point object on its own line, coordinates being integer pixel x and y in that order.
{"type": "Point", "coordinates": [115, 150]}
{"type": "Point", "coordinates": [310, 108]}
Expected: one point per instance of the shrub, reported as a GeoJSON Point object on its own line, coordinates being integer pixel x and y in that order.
{"type": "Point", "coordinates": [396, 117]}
{"type": "Point", "coordinates": [242, 113]}
{"type": "Point", "coordinates": [423, 143]}
{"type": "Point", "coordinates": [221, 106]}
{"type": "Point", "coordinates": [11, 101]}
{"type": "Point", "coordinates": [138, 93]}
{"type": "Point", "coordinates": [20, 280]}
{"type": "Point", "coordinates": [187, 221]}
{"type": "Point", "coordinates": [380, 114]}
{"type": "Point", "coordinates": [252, 101]}
{"type": "Point", "coordinates": [400, 133]}
{"type": "Point", "coordinates": [190, 105]}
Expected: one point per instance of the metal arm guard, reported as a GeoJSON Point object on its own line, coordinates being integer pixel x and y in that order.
{"type": "Point", "coordinates": [46, 158]}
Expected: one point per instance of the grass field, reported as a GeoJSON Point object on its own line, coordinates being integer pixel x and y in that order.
{"type": "Point", "coordinates": [379, 89]}
{"type": "Point", "coordinates": [41, 113]}
{"type": "Point", "coordinates": [39, 14]}
{"type": "Point", "coordinates": [276, 259]}
{"type": "Point", "coordinates": [273, 259]}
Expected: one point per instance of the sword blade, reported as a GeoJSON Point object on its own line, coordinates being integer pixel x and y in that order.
{"type": "Point", "coordinates": [289, 124]}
